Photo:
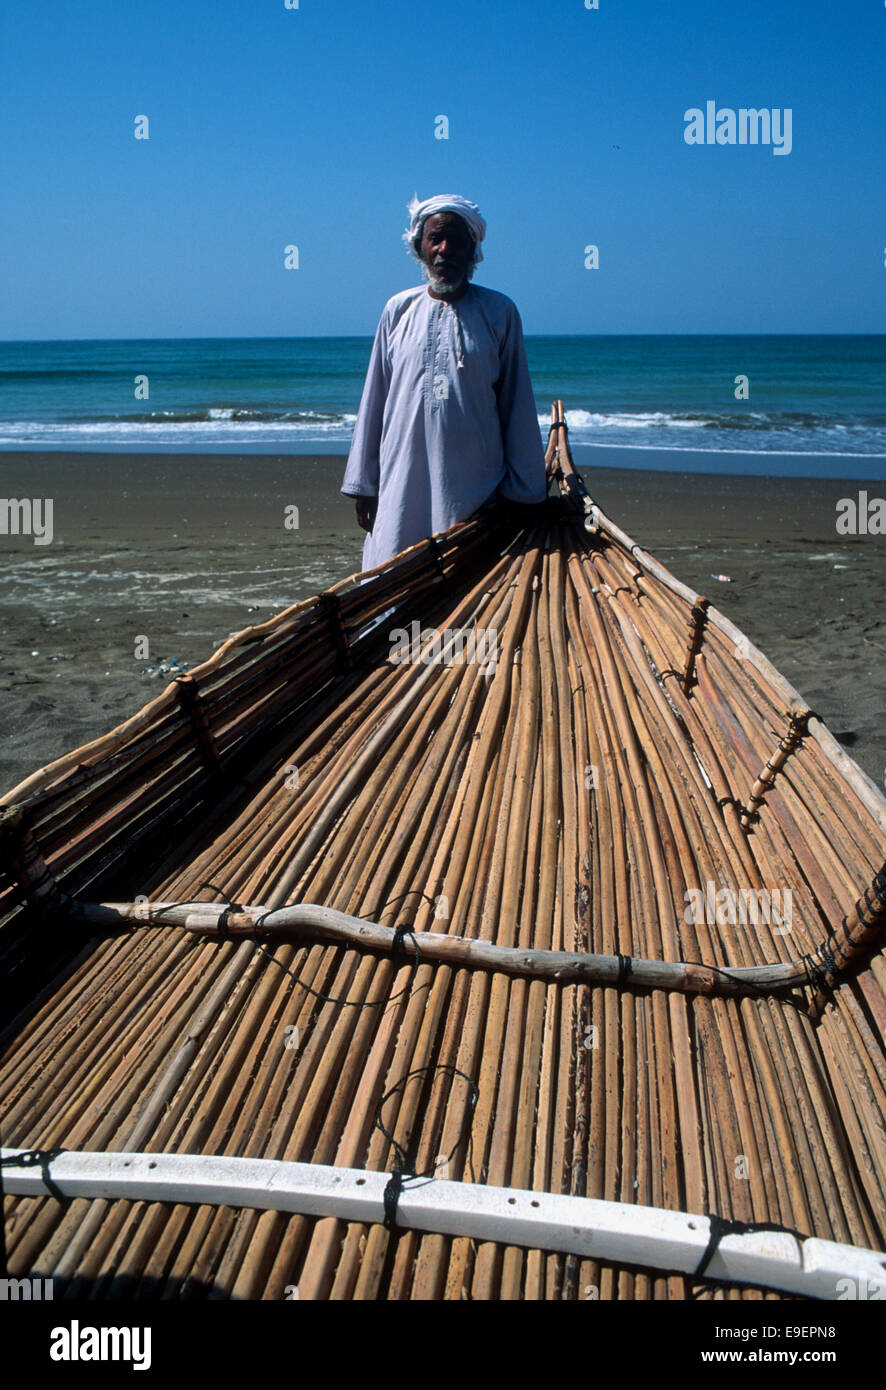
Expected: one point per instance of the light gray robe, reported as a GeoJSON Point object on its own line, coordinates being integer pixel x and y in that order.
{"type": "Point", "coordinates": [447, 419]}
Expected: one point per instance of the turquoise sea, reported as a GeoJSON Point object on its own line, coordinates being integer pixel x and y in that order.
{"type": "Point", "coordinates": [817, 402]}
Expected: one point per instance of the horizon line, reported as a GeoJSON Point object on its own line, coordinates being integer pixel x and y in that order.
{"type": "Point", "coordinates": [301, 337]}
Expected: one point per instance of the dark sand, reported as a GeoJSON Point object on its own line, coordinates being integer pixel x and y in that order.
{"type": "Point", "coordinates": [185, 549]}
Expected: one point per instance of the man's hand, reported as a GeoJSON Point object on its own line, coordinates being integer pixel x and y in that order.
{"type": "Point", "coordinates": [366, 509]}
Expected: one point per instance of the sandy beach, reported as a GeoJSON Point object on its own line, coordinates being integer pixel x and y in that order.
{"type": "Point", "coordinates": [183, 549]}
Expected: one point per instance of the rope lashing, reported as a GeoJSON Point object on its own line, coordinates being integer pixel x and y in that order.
{"type": "Point", "coordinates": [36, 1158]}
{"type": "Point", "coordinates": [191, 703]}
{"type": "Point", "coordinates": [698, 618]}
{"type": "Point", "coordinates": [569, 480]}
{"type": "Point", "coordinates": [403, 1166]}
{"type": "Point", "coordinates": [796, 730]}
{"type": "Point", "coordinates": [721, 1226]}
{"type": "Point", "coordinates": [25, 862]}
{"type": "Point", "coordinates": [849, 945]}
{"type": "Point", "coordinates": [330, 606]}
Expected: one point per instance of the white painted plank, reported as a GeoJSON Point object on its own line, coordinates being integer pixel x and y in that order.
{"type": "Point", "coordinates": [607, 1231]}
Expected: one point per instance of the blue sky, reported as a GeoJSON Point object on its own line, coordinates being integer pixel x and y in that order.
{"type": "Point", "coordinates": [314, 126]}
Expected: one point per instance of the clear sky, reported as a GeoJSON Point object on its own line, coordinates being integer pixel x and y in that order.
{"type": "Point", "coordinates": [313, 126]}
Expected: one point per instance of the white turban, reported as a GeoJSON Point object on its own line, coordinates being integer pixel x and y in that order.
{"type": "Point", "coordinates": [444, 202]}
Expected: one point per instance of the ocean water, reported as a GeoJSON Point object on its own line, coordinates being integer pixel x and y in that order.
{"type": "Point", "coordinates": [818, 402]}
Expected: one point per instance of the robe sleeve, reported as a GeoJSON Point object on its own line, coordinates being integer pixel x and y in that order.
{"type": "Point", "coordinates": [525, 479]}
{"type": "Point", "coordinates": [362, 471]}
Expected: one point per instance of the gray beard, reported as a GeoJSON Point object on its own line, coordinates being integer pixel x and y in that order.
{"type": "Point", "coordinates": [442, 286]}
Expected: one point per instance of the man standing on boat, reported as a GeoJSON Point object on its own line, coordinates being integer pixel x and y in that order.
{"type": "Point", "coordinates": [447, 420]}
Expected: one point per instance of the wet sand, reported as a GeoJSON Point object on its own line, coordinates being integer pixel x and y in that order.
{"type": "Point", "coordinates": [181, 550]}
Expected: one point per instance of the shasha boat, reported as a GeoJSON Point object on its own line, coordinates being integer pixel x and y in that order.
{"type": "Point", "coordinates": [498, 924]}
